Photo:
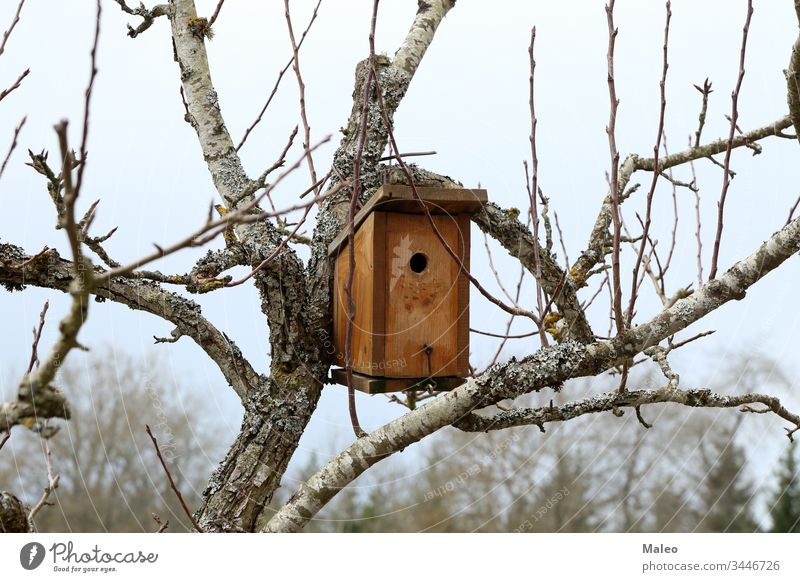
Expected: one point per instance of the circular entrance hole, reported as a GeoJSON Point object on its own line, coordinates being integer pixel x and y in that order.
{"type": "Point", "coordinates": [418, 262]}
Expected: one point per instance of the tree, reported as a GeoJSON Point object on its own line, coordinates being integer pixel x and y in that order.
{"type": "Point", "coordinates": [619, 255]}
{"type": "Point", "coordinates": [785, 505]}
{"type": "Point", "coordinates": [725, 494]}
{"type": "Point", "coordinates": [109, 478]}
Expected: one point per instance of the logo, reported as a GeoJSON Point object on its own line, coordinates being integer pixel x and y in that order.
{"type": "Point", "coordinates": [402, 256]}
{"type": "Point", "coordinates": [31, 555]}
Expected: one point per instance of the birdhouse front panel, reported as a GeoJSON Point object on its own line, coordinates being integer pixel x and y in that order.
{"type": "Point", "coordinates": [427, 315]}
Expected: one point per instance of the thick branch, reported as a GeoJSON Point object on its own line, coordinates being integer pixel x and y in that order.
{"type": "Point", "coordinates": [519, 242]}
{"type": "Point", "coordinates": [282, 283]}
{"type": "Point", "coordinates": [279, 408]}
{"type": "Point", "coordinates": [698, 398]}
{"type": "Point", "coordinates": [429, 15]}
{"type": "Point", "coordinates": [48, 270]}
{"type": "Point", "coordinates": [13, 514]}
{"type": "Point", "coordinates": [715, 147]}
{"type": "Point", "coordinates": [793, 80]}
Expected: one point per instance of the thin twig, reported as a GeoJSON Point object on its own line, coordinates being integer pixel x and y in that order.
{"type": "Point", "coordinates": [37, 335]}
{"type": "Point", "coordinates": [498, 279]}
{"type": "Point", "coordinates": [212, 229]}
{"type": "Point", "coordinates": [504, 336]}
{"type": "Point", "coordinates": [148, 16]}
{"type": "Point", "coordinates": [705, 90]}
{"type": "Point", "coordinates": [561, 240]}
{"type": "Point", "coordinates": [301, 86]}
{"type": "Point", "coordinates": [641, 419]}
{"type": "Point", "coordinates": [351, 258]}
{"type": "Point", "coordinates": [587, 303]}
{"type": "Point", "coordinates": [675, 346]}
{"type": "Point", "coordinates": [407, 155]}
{"type": "Point", "coordinates": [698, 222]}
{"type": "Point", "coordinates": [214, 16]}
{"type": "Point", "coordinates": [286, 239]}
{"type": "Point", "coordinates": [734, 117]}
{"type": "Point", "coordinates": [171, 481]}
{"type": "Point", "coordinates": [654, 181]}
{"type": "Point", "coordinates": [10, 29]}
{"type": "Point", "coordinates": [162, 526]}
{"type": "Point", "coordinates": [614, 176]}
{"type": "Point", "coordinates": [52, 484]}
{"type": "Point", "coordinates": [532, 185]}
{"type": "Point", "coordinates": [6, 92]}
{"type": "Point", "coordinates": [510, 321]}
{"type": "Point", "coordinates": [675, 218]}
{"type": "Point", "coordinates": [792, 210]}
{"type": "Point", "coordinates": [13, 145]}
{"type": "Point", "coordinates": [278, 80]}
{"type": "Point", "coordinates": [87, 101]}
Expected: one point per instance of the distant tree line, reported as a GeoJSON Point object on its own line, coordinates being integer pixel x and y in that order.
{"type": "Point", "coordinates": [608, 473]}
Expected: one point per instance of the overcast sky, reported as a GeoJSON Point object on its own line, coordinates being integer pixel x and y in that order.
{"type": "Point", "coordinates": [469, 102]}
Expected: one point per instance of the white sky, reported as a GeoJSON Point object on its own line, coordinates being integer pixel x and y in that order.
{"type": "Point", "coordinates": [469, 102]}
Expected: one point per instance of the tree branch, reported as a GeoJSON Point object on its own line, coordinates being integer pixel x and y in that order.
{"type": "Point", "coordinates": [49, 270]}
{"type": "Point", "coordinates": [793, 80]}
{"type": "Point", "coordinates": [697, 398]}
{"type": "Point", "coordinates": [714, 147]}
{"type": "Point", "coordinates": [519, 242]}
{"type": "Point", "coordinates": [148, 16]}
{"type": "Point", "coordinates": [430, 14]}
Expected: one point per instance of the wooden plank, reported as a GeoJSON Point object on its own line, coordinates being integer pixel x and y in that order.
{"type": "Point", "coordinates": [422, 307]}
{"type": "Point", "coordinates": [363, 355]}
{"type": "Point", "coordinates": [400, 198]}
{"type": "Point", "coordinates": [462, 357]}
{"type": "Point", "coordinates": [380, 287]}
{"type": "Point", "coordinates": [377, 385]}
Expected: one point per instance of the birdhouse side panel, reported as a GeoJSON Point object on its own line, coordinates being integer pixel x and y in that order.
{"type": "Point", "coordinates": [464, 223]}
{"type": "Point", "coordinates": [423, 290]}
{"type": "Point", "coordinates": [368, 323]}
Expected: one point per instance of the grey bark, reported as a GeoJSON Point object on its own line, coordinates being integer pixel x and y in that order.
{"type": "Point", "coordinates": [295, 299]}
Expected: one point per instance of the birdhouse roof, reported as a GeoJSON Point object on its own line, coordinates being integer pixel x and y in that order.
{"type": "Point", "coordinates": [400, 198]}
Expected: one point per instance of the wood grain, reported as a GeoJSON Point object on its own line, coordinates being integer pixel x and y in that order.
{"type": "Point", "coordinates": [422, 311]}
{"type": "Point", "coordinates": [364, 284]}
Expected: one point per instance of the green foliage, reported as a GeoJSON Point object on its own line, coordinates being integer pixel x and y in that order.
{"type": "Point", "coordinates": [784, 507]}
{"type": "Point", "coordinates": [725, 495]}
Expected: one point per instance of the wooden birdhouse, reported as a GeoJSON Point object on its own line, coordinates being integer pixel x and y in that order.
{"type": "Point", "coordinates": [411, 323]}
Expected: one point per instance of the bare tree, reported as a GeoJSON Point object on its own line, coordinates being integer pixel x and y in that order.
{"type": "Point", "coordinates": [109, 476]}
{"type": "Point", "coordinates": [296, 294]}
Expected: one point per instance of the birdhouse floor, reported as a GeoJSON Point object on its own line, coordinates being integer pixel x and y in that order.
{"type": "Point", "coordinates": [377, 385]}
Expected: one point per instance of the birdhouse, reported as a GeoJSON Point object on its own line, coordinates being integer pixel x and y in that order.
{"type": "Point", "coordinates": [410, 327]}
